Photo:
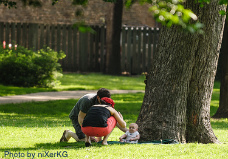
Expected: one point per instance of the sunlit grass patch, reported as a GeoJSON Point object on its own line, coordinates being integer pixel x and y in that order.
{"type": "Point", "coordinates": [90, 81]}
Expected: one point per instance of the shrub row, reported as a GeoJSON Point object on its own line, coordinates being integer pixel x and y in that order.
{"type": "Point", "coordinates": [27, 68]}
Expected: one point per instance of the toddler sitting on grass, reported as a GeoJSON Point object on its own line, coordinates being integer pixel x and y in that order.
{"type": "Point", "coordinates": [131, 136]}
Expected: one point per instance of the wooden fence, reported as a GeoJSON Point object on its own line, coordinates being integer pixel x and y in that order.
{"type": "Point", "coordinates": [85, 52]}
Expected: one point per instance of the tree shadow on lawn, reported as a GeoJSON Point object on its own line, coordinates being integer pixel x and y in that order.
{"type": "Point", "coordinates": [52, 146]}
{"type": "Point", "coordinates": [219, 124]}
{"type": "Point", "coordinates": [65, 145]}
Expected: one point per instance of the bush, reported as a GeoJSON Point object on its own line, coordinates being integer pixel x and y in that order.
{"type": "Point", "coordinates": [23, 67]}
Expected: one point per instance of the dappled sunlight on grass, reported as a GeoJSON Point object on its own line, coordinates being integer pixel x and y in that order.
{"type": "Point", "coordinates": [11, 90]}
{"type": "Point", "coordinates": [36, 127]}
{"type": "Point", "coordinates": [27, 120]}
{"type": "Point", "coordinates": [90, 81]}
{"type": "Point", "coordinates": [96, 81]}
{"type": "Point", "coordinates": [215, 98]}
{"type": "Point", "coordinates": [55, 113]}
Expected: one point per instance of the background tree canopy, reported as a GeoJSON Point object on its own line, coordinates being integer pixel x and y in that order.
{"type": "Point", "coordinates": [167, 12]}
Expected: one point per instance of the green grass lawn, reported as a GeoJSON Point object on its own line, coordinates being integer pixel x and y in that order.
{"type": "Point", "coordinates": [35, 128]}
{"type": "Point", "coordinates": [90, 81]}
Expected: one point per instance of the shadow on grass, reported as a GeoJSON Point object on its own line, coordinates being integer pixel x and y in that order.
{"type": "Point", "coordinates": [63, 107]}
{"type": "Point", "coordinates": [52, 146]}
{"type": "Point", "coordinates": [219, 124]}
{"type": "Point", "coordinates": [55, 113]}
{"type": "Point", "coordinates": [57, 107]}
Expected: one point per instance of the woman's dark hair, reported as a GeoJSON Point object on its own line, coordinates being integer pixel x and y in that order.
{"type": "Point", "coordinates": [103, 92]}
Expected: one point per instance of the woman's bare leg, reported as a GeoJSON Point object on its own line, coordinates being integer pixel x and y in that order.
{"type": "Point", "coordinates": [105, 139]}
{"type": "Point", "coordinates": [87, 141]}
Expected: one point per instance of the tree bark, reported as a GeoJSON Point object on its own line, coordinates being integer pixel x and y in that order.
{"type": "Point", "coordinates": [179, 86]}
{"type": "Point", "coordinates": [222, 111]}
{"type": "Point", "coordinates": [114, 26]}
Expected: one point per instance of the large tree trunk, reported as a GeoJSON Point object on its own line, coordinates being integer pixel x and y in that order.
{"type": "Point", "coordinates": [179, 86]}
{"type": "Point", "coordinates": [222, 111]}
{"type": "Point", "coordinates": [114, 26]}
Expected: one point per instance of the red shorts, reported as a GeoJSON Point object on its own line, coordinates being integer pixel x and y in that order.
{"type": "Point", "coordinates": [100, 131]}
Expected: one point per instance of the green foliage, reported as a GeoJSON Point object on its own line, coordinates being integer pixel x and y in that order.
{"type": "Point", "coordinates": [8, 4]}
{"type": "Point", "coordinates": [80, 2]}
{"type": "Point", "coordinates": [23, 67]}
{"type": "Point", "coordinates": [35, 3]}
{"type": "Point", "coordinates": [170, 12]}
{"type": "Point", "coordinates": [82, 27]}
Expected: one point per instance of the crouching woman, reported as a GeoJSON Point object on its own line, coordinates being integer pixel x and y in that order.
{"type": "Point", "coordinates": [100, 120]}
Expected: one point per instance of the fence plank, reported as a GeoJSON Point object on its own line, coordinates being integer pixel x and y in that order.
{"type": "Point", "coordinates": [13, 34]}
{"type": "Point", "coordinates": [70, 49]}
{"type": "Point", "coordinates": [53, 37]}
{"type": "Point", "coordinates": [35, 37]}
{"type": "Point", "coordinates": [24, 35]}
{"type": "Point", "coordinates": [7, 33]}
{"type": "Point", "coordinates": [75, 50]}
{"type": "Point", "coordinates": [47, 35]}
{"type": "Point", "coordinates": [30, 35]}
{"type": "Point", "coordinates": [129, 55]}
{"type": "Point", "coordinates": [149, 49]}
{"type": "Point", "coordinates": [2, 32]}
{"type": "Point", "coordinates": [19, 39]}
{"type": "Point", "coordinates": [102, 51]}
{"type": "Point", "coordinates": [135, 63]}
{"type": "Point", "coordinates": [42, 39]}
{"type": "Point", "coordinates": [85, 51]}
{"type": "Point", "coordinates": [64, 46]}
{"type": "Point", "coordinates": [58, 38]}
{"type": "Point", "coordinates": [81, 52]}
{"type": "Point", "coordinates": [139, 48]}
{"type": "Point", "coordinates": [144, 53]}
{"type": "Point", "coordinates": [86, 55]}
{"type": "Point", "coordinates": [96, 69]}
{"type": "Point", "coordinates": [123, 51]}
{"type": "Point", "coordinates": [155, 39]}
{"type": "Point", "coordinates": [92, 50]}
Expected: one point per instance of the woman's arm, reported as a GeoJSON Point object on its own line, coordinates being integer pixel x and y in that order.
{"type": "Point", "coordinates": [122, 129]}
{"type": "Point", "coordinates": [118, 117]}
